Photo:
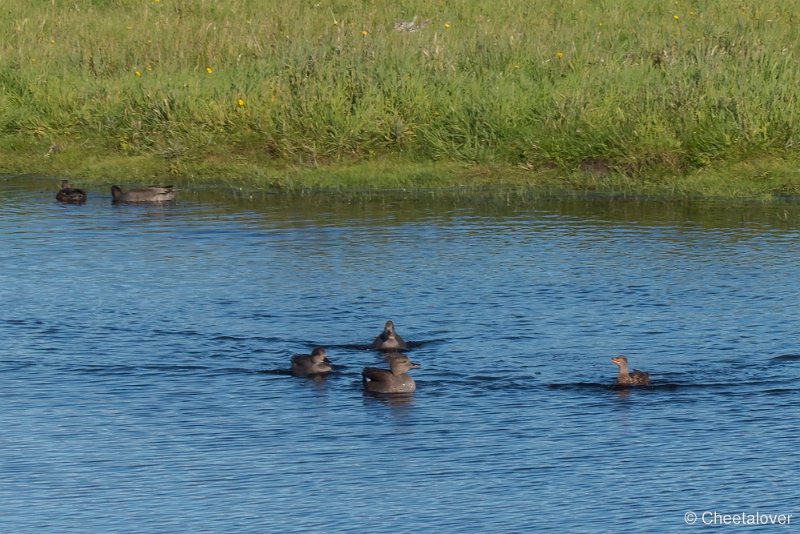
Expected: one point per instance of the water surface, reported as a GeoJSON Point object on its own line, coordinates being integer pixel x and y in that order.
{"type": "Point", "coordinates": [146, 348]}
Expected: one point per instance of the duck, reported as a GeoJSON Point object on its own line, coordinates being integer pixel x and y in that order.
{"type": "Point", "coordinates": [70, 194]}
{"type": "Point", "coordinates": [153, 193]}
{"type": "Point", "coordinates": [635, 378]}
{"type": "Point", "coordinates": [309, 365]}
{"type": "Point", "coordinates": [393, 380]}
{"type": "Point", "coordinates": [389, 339]}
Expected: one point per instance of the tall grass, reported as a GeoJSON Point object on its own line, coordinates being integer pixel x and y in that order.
{"type": "Point", "coordinates": [626, 85]}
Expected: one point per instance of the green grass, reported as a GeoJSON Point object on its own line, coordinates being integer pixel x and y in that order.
{"type": "Point", "coordinates": [670, 98]}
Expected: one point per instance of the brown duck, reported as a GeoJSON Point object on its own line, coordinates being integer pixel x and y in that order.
{"type": "Point", "coordinates": [70, 194]}
{"type": "Point", "coordinates": [389, 339]}
{"type": "Point", "coordinates": [393, 380]}
{"type": "Point", "coordinates": [633, 378]}
{"type": "Point", "coordinates": [153, 193]}
{"type": "Point", "coordinates": [314, 364]}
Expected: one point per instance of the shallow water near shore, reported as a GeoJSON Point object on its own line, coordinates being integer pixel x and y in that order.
{"type": "Point", "coordinates": [146, 355]}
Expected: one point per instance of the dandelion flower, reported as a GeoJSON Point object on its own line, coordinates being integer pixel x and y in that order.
{"type": "Point", "coordinates": [364, 33]}
{"type": "Point", "coordinates": [209, 70]}
{"type": "Point", "coordinates": [240, 102]}
{"type": "Point", "coordinates": [560, 54]}
{"type": "Point", "coordinates": [446, 25]}
{"type": "Point", "coordinates": [676, 17]}
{"type": "Point", "coordinates": [137, 73]}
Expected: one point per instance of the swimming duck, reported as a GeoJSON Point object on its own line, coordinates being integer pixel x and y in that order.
{"type": "Point", "coordinates": [389, 339]}
{"type": "Point", "coordinates": [635, 378]}
{"type": "Point", "coordinates": [70, 194]}
{"type": "Point", "coordinates": [393, 380]}
{"type": "Point", "coordinates": [315, 364]}
{"type": "Point", "coordinates": [153, 193]}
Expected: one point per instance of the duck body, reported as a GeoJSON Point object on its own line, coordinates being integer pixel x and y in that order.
{"type": "Point", "coordinates": [393, 380]}
{"type": "Point", "coordinates": [630, 378]}
{"type": "Point", "coordinates": [70, 194]}
{"type": "Point", "coordinates": [154, 193]}
{"type": "Point", "coordinates": [309, 365]}
{"type": "Point", "coordinates": [389, 339]}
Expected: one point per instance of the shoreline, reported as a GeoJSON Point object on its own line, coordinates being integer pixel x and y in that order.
{"type": "Point", "coordinates": [767, 178]}
{"type": "Point", "coordinates": [624, 99]}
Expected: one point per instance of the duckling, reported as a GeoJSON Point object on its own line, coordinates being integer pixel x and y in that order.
{"type": "Point", "coordinates": [153, 193]}
{"type": "Point", "coordinates": [389, 339]}
{"type": "Point", "coordinates": [70, 194]}
{"type": "Point", "coordinates": [635, 378]}
{"type": "Point", "coordinates": [393, 380]}
{"type": "Point", "coordinates": [315, 364]}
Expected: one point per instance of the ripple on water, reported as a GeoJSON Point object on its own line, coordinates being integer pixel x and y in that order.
{"type": "Point", "coordinates": [148, 364]}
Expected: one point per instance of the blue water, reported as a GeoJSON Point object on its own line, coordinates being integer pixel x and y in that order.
{"type": "Point", "coordinates": [145, 350]}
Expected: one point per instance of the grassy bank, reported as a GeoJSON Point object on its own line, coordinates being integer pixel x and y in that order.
{"type": "Point", "coordinates": [674, 98]}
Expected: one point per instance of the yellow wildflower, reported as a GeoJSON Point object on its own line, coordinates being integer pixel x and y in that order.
{"type": "Point", "coordinates": [209, 70]}
{"type": "Point", "coordinates": [240, 102]}
{"type": "Point", "coordinates": [364, 33]}
{"type": "Point", "coordinates": [137, 73]}
{"type": "Point", "coordinates": [560, 54]}
{"type": "Point", "coordinates": [676, 17]}
{"type": "Point", "coordinates": [446, 25]}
